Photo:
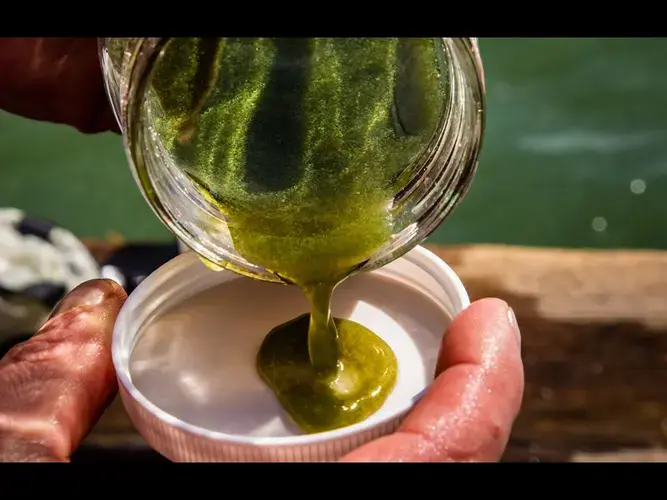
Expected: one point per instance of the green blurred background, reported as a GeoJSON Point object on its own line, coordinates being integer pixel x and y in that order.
{"type": "Point", "coordinates": [575, 154]}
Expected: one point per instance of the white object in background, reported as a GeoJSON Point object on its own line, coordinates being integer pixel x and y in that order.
{"type": "Point", "coordinates": [39, 262]}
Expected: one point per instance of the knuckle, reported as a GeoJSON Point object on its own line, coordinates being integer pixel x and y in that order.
{"type": "Point", "coordinates": [29, 430]}
{"type": "Point", "coordinates": [24, 384]}
{"type": "Point", "coordinates": [485, 441]}
{"type": "Point", "coordinates": [57, 338]}
{"type": "Point", "coordinates": [31, 350]}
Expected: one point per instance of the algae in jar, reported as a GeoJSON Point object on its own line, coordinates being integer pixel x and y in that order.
{"type": "Point", "coordinates": [303, 145]}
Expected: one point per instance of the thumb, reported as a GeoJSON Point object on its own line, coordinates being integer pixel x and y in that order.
{"type": "Point", "coordinates": [54, 386]}
{"type": "Point", "coordinates": [468, 412]}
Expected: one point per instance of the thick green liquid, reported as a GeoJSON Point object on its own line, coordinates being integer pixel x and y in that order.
{"type": "Point", "coordinates": [303, 144]}
{"type": "Point", "coordinates": [318, 402]}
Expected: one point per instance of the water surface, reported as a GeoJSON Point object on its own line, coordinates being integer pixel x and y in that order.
{"type": "Point", "coordinates": [575, 154]}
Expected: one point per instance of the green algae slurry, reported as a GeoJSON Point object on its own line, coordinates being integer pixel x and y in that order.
{"type": "Point", "coordinates": [302, 144]}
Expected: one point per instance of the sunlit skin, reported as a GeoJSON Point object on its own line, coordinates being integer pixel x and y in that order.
{"type": "Point", "coordinates": [64, 374]}
{"type": "Point", "coordinates": [54, 386]}
{"type": "Point", "coordinates": [55, 80]}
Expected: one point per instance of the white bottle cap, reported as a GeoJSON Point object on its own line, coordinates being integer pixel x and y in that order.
{"type": "Point", "coordinates": [186, 340]}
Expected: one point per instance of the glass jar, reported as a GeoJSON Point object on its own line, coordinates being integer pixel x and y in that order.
{"type": "Point", "coordinates": [432, 185]}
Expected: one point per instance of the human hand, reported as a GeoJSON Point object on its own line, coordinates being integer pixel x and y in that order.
{"type": "Point", "coordinates": [54, 386]}
{"type": "Point", "coordinates": [468, 412]}
{"type": "Point", "coordinates": [57, 80]}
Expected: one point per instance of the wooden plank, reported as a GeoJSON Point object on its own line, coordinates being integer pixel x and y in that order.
{"type": "Point", "coordinates": [594, 334]}
{"type": "Point", "coordinates": [594, 328]}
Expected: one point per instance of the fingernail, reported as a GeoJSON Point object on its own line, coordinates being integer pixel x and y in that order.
{"type": "Point", "coordinates": [511, 316]}
{"type": "Point", "coordinates": [86, 294]}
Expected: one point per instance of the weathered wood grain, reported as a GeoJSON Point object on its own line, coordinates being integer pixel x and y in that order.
{"type": "Point", "coordinates": [594, 334]}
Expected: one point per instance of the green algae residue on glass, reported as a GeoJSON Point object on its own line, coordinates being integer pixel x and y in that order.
{"type": "Point", "coordinates": [303, 144]}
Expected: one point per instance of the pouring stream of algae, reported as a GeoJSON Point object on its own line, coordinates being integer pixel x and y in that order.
{"type": "Point", "coordinates": [302, 144]}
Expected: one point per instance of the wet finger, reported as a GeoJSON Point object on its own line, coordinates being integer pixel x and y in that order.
{"type": "Point", "coordinates": [468, 412]}
{"type": "Point", "coordinates": [54, 386]}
